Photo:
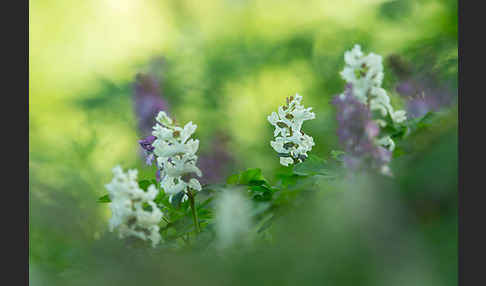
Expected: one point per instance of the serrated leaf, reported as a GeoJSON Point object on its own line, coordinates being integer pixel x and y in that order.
{"type": "Point", "coordinates": [104, 199]}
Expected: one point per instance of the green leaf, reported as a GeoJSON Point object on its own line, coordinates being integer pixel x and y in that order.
{"type": "Point", "coordinates": [421, 122]}
{"type": "Point", "coordinates": [233, 179]}
{"type": "Point", "coordinates": [251, 175]}
{"type": "Point", "coordinates": [104, 199]}
{"type": "Point", "coordinates": [263, 197]}
{"type": "Point", "coordinates": [257, 182]}
{"type": "Point", "coordinates": [260, 189]}
{"type": "Point", "coordinates": [312, 166]}
{"type": "Point", "coordinates": [248, 177]}
{"type": "Point", "coordinates": [144, 184]}
{"type": "Point", "coordinates": [147, 207]}
{"type": "Point", "coordinates": [399, 151]}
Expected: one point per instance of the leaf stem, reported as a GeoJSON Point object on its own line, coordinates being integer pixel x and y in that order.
{"type": "Point", "coordinates": [193, 209]}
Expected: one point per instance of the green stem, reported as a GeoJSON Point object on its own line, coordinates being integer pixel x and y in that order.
{"type": "Point", "coordinates": [193, 209]}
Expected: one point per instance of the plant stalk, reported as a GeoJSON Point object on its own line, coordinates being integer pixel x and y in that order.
{"type": "Point", "coordinates": [193, 209]}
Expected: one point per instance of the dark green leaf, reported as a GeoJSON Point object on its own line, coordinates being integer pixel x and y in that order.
{"type": "Point", "coordinates": [104, 199]}
{"type": "Point", "coordinates": [177, 199]}
{"type": "Point", "coordinates": [257, 182]}
{"type": "Point", "coordinates": [260, 189]}
{"type": "Point", "coordinates": [283, 154]}
{"type": "Point", "coordinates": [144, 184]}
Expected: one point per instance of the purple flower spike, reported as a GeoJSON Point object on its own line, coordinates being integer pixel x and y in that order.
{"type": "Point", "coordinates": [357, 132]}
{"type": "Point", "coordinates": [421, 90]}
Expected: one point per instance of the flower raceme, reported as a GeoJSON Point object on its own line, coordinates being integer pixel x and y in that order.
{"type": "Point", "coordinates": [357, 130]}
{"type": "Point", "coordinates": [365, 74]}
{"type": "Point", "coordinates": [134, 212]}
{"type": "Point", "coordinates": [176, 156]}
{"type": "Point", "coordinates": [290, 142]}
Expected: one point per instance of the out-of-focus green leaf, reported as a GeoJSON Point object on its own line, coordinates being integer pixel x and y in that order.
{"type": "Point", "coordinates": [233, 179]}
{"type": "Point", "coordinates": [251, 175]}
{"type": "Point", "coordinates": [248, 177]}
{"type": "Point", "coordinates": [312, 166]}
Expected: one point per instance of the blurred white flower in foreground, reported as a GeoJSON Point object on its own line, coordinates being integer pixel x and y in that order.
{"type": "Point", "coordinates": [134, 212]}
{"type": "Point", "coordinates": [232, 217]}
{"type": "Point", "coordinates": [290, 142]}
{"type": "Point", "coordinates": [176, 155]}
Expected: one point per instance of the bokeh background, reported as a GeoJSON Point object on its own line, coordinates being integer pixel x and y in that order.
{"type": "Point", "coordinates": [226, 65]}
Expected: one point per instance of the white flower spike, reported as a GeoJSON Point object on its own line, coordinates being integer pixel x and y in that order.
{"type": "Point", "coordinates": [365, 74]}
{"type": "Point", "coordinates": [128, 207]}
{"type": "Point", "coordinates": [290, 142]}
{"type": "Point", "coordinates": [176, 155]}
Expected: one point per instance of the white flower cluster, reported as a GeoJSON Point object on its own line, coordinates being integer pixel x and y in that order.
{"type": "Point", "coordinates": [365, 74]}
{"type": "Point", "coordinates": [176, 155]}
{"type": "Point", "coordinates": [290, 142]}
{"type": "Point", "coordinates": [133, 210]}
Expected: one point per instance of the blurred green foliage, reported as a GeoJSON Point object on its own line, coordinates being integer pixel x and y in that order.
{"type": "Point", "coordinates": [228, 64]}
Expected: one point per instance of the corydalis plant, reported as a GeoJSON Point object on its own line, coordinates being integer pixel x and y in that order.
{"type": "Point", "coordinates": [364, 73]}
{"type": "Point", "coordinates": [290, 142]}
{"type": "Point", "coordinates": [363, 108]}
{"type": "Point", "coordinates": [134, 212]}
{"type": "Point", "coordinates": [176, 156]}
